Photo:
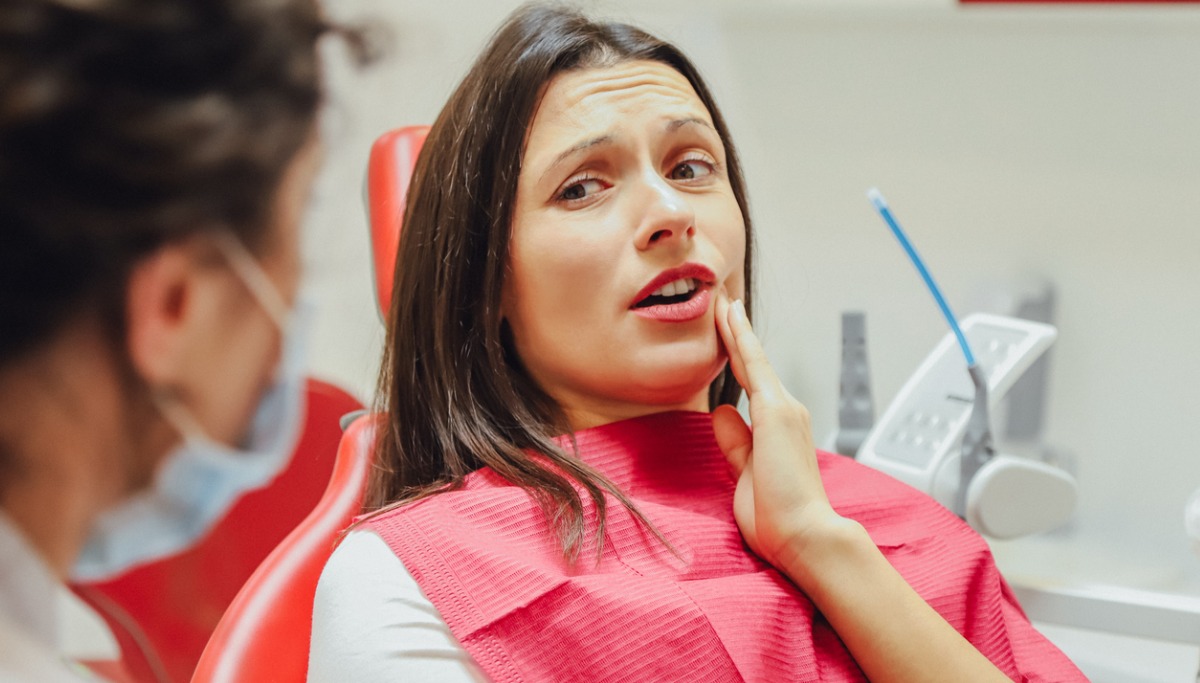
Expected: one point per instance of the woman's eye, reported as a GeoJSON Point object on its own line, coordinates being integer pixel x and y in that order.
{"type": "Point", "coordinates": [581, 189]}
{"type": "Point", "coordinates": [691, 169]}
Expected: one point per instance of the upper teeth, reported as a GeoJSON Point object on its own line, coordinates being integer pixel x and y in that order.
{"type": "Point", "coordinates": [680, 286]}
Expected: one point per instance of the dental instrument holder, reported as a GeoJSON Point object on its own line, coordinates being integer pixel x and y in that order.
{"type": "Point", "coordinates": [856, 410]}
{"type": "Point", "coordinates": [1001, 496]}
{"type": "Point", "coordinates": [927, 432]}
{"type": "Point", "coordinates": [977, 447]}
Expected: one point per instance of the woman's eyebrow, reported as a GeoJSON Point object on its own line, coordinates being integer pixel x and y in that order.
{"type": "Point", "coordinates": [610, 138]}
{"type": "Point", "coordinates": [680, 123]}
{"type": "Point", "coordinates": [606, 139]}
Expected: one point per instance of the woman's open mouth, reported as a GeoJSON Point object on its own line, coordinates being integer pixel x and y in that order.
{"type": "Point", "coordinates": [677, 295]}
{"type": "Point", "coordinates": [675, 292]}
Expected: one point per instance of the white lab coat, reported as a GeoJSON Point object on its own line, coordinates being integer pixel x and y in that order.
{"type": "Point", "coordinates": [28, 615]}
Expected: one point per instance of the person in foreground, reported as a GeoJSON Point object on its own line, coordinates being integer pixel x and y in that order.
{"type": "Point", "coordinates": [552, 499]}
{"type": "Point", "coordinates": [156, 161]}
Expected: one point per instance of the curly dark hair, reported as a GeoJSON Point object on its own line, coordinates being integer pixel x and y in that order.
{"type": "Point", "coordinates": [128, 124]}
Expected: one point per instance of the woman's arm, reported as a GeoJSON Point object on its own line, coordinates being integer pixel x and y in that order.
{"type": "Point", "coordinates": [785, 516]}
{"type": "Point", "coordinates": [372, 623]}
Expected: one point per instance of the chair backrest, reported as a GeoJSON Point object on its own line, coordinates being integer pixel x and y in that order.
{"type": "Point", "coordinates": [263, 637]}
{"type": "Point", "coordinates": [389, 172]}
{"type": "Point", "coordinates": [163, 613]}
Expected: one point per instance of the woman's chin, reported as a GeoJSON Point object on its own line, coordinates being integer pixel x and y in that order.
{"type": "Point", "coordinates": [676, 385]}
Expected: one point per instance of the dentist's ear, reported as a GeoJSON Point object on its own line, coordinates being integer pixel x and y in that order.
{"type": "Point", "coordinates": [167, 298]}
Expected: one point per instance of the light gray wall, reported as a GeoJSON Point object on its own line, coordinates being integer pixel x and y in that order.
{"type": "Point", "coordinates": [1014, 144]}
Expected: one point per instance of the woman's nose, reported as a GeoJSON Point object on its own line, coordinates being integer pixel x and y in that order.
{"type": "Point", "coordinates": [666, 214]}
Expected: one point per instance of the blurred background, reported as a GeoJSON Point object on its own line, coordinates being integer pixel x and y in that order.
{"type": "Point", "coordinates": [1024, 147]}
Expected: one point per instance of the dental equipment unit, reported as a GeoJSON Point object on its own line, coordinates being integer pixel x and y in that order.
{"type": "Point", "coordinates": [936, 435]}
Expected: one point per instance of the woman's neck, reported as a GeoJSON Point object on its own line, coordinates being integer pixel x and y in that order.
{"type": "Point", "coordinates": [585, 412]}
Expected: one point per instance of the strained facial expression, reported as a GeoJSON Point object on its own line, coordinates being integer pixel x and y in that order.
{"type": "Point", "coordinates": [625, 227]}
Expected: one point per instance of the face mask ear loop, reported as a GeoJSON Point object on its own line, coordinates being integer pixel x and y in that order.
{"type": "Point", "coordinates": [255, 278]}
{"type": "Point", "coordinates": [178, 416]}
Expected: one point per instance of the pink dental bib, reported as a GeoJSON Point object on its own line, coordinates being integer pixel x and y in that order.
{"type": "Point", "coordinates": [711, 611]}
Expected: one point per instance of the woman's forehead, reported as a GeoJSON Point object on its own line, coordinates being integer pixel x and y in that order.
{"type": "Point", "coordinates": [598, 100]}
{"type": "Point", "coordinates": [619, 83]}
{"type": "Point", "coordinates": [609, 95]}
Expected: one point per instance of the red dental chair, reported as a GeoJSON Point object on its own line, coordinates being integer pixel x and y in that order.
{"type": "Point", "coordinates": [389, 172]}
{"type": "Point", "coordinates": [264, 635]}
{"type": "Point", "coordinates": [162, 613]}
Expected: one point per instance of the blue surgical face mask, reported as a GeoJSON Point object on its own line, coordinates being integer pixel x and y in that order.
{"type": "Point", "coordinates": [201, 479]}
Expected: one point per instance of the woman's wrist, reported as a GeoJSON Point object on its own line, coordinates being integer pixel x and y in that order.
{"type": "Point", "coordinates": [889, 629]}
{"type": "Point", "coordinates": [822, 550]}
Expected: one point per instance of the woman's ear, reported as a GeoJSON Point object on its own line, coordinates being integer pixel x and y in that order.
{"type": "Point", "coordinates": [161, 311]}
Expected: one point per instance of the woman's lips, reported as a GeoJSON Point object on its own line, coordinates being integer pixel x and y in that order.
{"type": "Point", "coordinates": [699, 272]}
{"type": "Point", "coordinates": [680, 312]}
{"type": "Point", "coordinates": [690, 308]}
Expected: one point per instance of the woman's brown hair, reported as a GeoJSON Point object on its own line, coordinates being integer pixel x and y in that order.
{"type": "Point", "coordinates": [455, 396]}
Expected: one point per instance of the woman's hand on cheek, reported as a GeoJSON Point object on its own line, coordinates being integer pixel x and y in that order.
{"type": "Point", "coordinates": [780, 502]}
{"type": "Point", "coordinates": [785, 517]}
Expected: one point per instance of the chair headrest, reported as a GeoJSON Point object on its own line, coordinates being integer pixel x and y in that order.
{"type": "Point", "coordinates": [389, 172]}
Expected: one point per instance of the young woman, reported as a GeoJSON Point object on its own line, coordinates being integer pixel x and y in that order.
{"type": "Point", "coordinates": [156, 159]}
{"type": "Point", "coordinates": [552, 498]}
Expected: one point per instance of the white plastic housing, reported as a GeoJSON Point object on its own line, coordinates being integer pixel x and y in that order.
{"type": "Point", "coordinates": [1011, 497]}
{"type": "Point", "coordinates": [919, 438]}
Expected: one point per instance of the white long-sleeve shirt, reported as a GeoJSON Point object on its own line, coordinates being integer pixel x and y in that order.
{"type": "Point", "coordinates": [371, 622]}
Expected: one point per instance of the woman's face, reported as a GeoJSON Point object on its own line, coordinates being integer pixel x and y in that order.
{"type": "Point", "coordinates": [625, 227]}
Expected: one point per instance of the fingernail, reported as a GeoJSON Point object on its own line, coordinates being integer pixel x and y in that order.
{"type": "Point", "coordinates": [739, 311]}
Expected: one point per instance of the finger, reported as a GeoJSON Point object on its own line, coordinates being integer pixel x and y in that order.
{"type": "Point", "coordinates": [758, 377]}
{"type": "Point", "coordinates": [726, 336]}
{"type": "Point", "coordinates": [731, 344]}
{"type": "Point", "coordinates": [721, 317]}
{"type": "Point", "coordinates": [733, 437]}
